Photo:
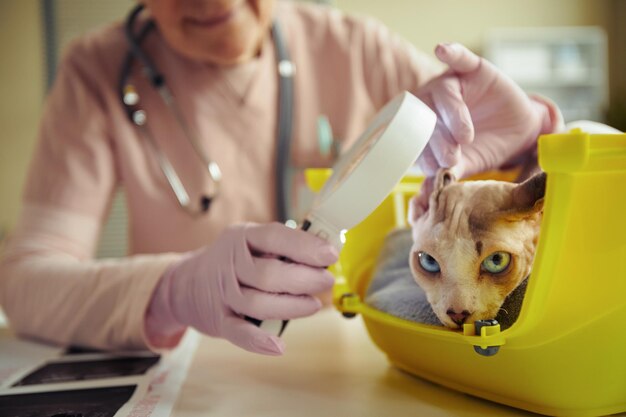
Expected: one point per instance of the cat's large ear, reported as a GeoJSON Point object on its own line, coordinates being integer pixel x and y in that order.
{"type": "Point", "coordinates": [443, 177]}
{"type": "Point", "coordinates": [526, 198]}
{"type": "Point", "coordinates": [419, 204]}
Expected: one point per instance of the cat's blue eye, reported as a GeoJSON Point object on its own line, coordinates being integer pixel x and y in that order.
{"type": "Point", "coordinates": [496, 262]}
{"type": "Point", "coordinates": [428, 263]}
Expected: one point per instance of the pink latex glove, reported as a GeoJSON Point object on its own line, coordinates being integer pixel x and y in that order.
{"type": "Point", "coordinates": [485, 120]}
{"type": "Point", "coordinates": [212, 288]}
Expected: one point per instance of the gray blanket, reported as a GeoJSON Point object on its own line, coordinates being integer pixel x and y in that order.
{"type": "Point", "coordinates": [393, 290]}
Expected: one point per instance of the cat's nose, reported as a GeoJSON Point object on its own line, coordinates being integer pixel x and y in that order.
{"type": "Point", "coordinates": [458, 318]}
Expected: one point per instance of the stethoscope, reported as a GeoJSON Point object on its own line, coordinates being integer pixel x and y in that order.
{"type": "Point", "coordinates": [131, 102]}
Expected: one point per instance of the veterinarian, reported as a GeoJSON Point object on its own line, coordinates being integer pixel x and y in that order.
{"type": "Point", "coordinates": [204, 113]}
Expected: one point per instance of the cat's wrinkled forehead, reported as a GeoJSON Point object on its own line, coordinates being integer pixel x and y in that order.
{"type": "Point", "coordinates": [473, 208]}
{"type": "Point", "coordinates": [467, 207]}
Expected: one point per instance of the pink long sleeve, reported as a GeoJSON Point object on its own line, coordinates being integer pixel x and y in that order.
{"type": "Point", "coordinates": [50, 288]}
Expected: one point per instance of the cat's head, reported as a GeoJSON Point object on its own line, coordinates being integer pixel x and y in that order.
{"type": "Point", "coordinates": [475, 244]}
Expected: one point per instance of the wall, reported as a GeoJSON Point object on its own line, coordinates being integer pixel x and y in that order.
{"type": "Point", "coordinates": [427, 22]}
{"type": "Point", "coordinates": [22, 86]}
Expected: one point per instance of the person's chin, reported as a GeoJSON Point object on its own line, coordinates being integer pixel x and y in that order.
{"type": "Point", "coordinates": [232, 53]}
{"type": "Point", "coordinates": [227, 57]}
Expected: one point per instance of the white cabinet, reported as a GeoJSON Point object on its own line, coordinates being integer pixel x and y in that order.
{"type": "Point", "coordinates": [567, 64]}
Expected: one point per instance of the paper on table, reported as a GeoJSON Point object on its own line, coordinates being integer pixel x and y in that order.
{"type": "Point", "coordinates": [168, 378]}
{"type": "Point", "coordinates": [39, 377]}
{"type": "Point", "coordinates": [17, 355]}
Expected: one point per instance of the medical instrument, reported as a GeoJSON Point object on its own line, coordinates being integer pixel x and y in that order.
{"type": "Point", "coordinates": [130, 100]}
{"type": "Point", "coordinates": [367, 173]}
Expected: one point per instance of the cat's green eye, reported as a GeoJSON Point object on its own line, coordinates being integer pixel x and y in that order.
{"type": "Point", "coordinates": [496, 262]}
{"type": "Point", "coordinates": [428, 263]}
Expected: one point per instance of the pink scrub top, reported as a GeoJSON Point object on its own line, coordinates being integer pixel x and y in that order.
{"type": "Point", "coordinates": [51, 288]}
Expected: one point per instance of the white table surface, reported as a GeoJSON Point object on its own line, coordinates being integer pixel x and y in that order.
{"type": "Point", "coordinates": [331, 368]}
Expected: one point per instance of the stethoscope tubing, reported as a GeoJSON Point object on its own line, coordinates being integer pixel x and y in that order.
{"type": "Point", "coordinates": [156, 78]}
{"type": "Point", "coordinates": [285, 117]}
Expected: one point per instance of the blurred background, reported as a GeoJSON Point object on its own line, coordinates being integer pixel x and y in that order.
{"type": "Point", "coordinates": [573, 51]}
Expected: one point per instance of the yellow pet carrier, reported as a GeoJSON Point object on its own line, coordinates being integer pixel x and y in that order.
{"type": "Point", "coordinates": [566, 353]}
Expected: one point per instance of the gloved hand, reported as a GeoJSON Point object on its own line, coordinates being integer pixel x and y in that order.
{"type": "Point", "coordinates": [485, 120]}
{"type": "Point", "coordinates": [212, 288]}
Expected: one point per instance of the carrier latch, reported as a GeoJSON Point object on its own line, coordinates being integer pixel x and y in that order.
{"type": "Point", "coordinates": [486, 329]}
{"type": "Point", "coordinates": [348, 303]}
